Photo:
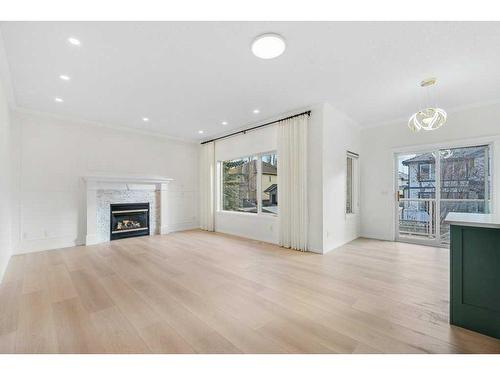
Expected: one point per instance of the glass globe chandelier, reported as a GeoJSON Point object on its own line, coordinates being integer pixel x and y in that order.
{"type": "Point", "coordinates": [429, 118]}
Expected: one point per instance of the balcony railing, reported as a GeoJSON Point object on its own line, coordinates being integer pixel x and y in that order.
{"type": "Point", "coordinates": [418, 216]}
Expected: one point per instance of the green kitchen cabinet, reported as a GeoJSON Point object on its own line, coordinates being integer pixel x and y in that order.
{"type": "Point", "coordinates": [475, 278]}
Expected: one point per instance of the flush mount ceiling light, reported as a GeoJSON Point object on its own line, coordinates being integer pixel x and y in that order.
{"type": "Point", "coordinates": [74, 41]}
{"type": "Point", "coordinates": [431, 117]}
{"type": "Point", "coordinates": [268, 46]}
{"type": "Point", "coordinates": [64, 77]}
{"type": "Point", "coordinates": [145, 119]}
{"type": "Point", "coordinates": [256, 111]}
{"type": "Point", "coordinates": [200, 132]}
{"type": "Point", "coordinates": [58, 100]}
{"type": "Point", "coordinates": [224, 123]}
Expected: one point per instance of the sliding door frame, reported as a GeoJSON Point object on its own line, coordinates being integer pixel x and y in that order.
{"type": "Point", "coordinates": [437, 193]}
{"type": "Point", "coordinates": [490, 142]}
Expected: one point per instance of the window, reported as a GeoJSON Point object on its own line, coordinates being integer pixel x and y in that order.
{"type": "Point", "coordinates": [239, 185]}
{"type": "Point", "coordinates": [269, 185]}
{"type": "Point", "coordinates": [351, 182]}
{"type": "Point", "coordinates": [250, 184]}
{"type": "Point", "coordinates": [426, 172]}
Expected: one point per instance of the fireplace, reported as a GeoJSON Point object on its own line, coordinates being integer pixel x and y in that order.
{"type": "Point", "coordinates": [129, 220]}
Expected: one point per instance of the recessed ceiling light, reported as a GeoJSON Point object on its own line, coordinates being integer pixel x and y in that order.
{"type": "Point", "coordinates": [224, 122]}
{"type": "Point", "coordinates": [200, 132]}
{"type": "Point", "coordinates": [58, 100]}
{"type": "Point", "coordinates": [74, 41]}
{"type": "Point", "coordinates": [256, 111]}
{"type": "Point", "coordinates": [268, 46]}
{"type": "Point", "coordinates": [145, 119]}
{"type": "Point", "coordinates": [64, 77]}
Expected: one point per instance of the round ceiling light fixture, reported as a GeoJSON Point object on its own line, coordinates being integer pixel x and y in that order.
{"type": "Point", "coordinates": [429, 118]}
{"type": "Point", "coordinates": [268, 46]}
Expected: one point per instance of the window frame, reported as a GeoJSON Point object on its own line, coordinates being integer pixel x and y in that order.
{"type": "Point", "coordinates": [354, 183]}
{"type": "Point", "coordinates": [432, 172]}
{"type": "Point", "coordinates": [220, 183]}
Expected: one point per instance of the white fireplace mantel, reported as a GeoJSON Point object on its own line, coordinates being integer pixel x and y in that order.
{"type": "Point", "coordinates": [95, 183]}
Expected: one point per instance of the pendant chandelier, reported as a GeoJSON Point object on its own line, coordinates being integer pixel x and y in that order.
{"type": "Point", "coordinates": [429, 118]}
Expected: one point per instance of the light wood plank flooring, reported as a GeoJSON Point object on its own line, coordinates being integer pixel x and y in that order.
{"type": "Point", "coordinates": [199, 292]}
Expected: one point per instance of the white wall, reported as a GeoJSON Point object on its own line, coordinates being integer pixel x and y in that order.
{"type": "Point", "coordinates": [340, 134]}
{"type": "Point", "coordinates": [6, 182]}
{"type": "Point", "coordinates": [54, 154]}
{"type": "Point", "coordinates": [378, 145]}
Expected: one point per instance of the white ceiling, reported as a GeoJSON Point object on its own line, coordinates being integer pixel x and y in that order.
{"type": "Point", "coordinates": [187, 76]}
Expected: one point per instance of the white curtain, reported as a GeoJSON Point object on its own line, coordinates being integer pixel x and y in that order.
{"type": "Point", "coordinates": [207, 179]}
{"type": "Point", "coordinates": [292, 182]}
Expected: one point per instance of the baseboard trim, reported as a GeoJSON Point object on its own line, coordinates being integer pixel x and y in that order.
{"type": "Point", "coordinates": [91, 239]}
{"type": "Point", "coordinates": [32, 246]}
{"type": "Point", "coordinates": [340, 244]}
{"type": "Point", "coordinates": [178, 227]}
{"type": "Point", "coordinates": [242, 235]}
{"type": "Point", "coordinates": [3, 266]}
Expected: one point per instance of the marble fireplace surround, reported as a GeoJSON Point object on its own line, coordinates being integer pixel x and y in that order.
{"type": "Point", "coordinates": [94, 184]}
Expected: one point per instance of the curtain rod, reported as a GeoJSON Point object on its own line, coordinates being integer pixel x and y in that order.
{"type": "Point", "coordinates": [257, 127]}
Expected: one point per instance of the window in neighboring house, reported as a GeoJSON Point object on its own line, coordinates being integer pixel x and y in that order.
{"type": "Point", "coordinates": [239, 185]}
{"type": "Point", "coordinates": [426, 172]}
{"type": "Point", "coordinates": [269, 183]}
{"type": "Point", "coordinates": [351, 183]}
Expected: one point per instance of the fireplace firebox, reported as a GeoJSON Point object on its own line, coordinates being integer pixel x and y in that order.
{"type": "Point", "coordinates": [129, 220]}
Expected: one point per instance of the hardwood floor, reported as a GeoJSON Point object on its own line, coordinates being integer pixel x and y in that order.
{"type": "Point", "coordinates": [199, 292]}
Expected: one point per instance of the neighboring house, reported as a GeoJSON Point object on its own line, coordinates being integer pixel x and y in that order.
{"type": "Point", "coordinates": [242, 176]}
{"type": "Point", "coordinates": [269, 185]}
{"type": "Point", "coordinates": [463, 177]}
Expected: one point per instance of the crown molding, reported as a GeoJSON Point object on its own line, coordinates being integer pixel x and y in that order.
{"type": "Point", "coordinates": [78, 121]}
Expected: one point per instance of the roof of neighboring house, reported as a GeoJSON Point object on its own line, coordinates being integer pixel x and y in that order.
{"type": "Point", "coordinates": [234, 163]}
{"type": "Point", "coordinates": [271, 188]}
{"type": "Point", "coordinates": [456, 154]}
{"type": "Point", "coordinates": [267, 168]}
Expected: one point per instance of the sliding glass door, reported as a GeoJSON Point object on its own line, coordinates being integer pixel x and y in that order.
{"type": "Point", "coordinates": [431, 184]}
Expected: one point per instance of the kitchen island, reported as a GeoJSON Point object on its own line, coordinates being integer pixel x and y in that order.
{"type": "Point", "coordinates": [475, 272]}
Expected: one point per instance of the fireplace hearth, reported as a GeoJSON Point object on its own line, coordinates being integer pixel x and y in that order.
{"type": "Point", "coordinates": [129, 220]}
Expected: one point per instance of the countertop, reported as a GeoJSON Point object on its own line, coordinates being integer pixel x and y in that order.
{"type": "Point", "coordinates": [473, 220]}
